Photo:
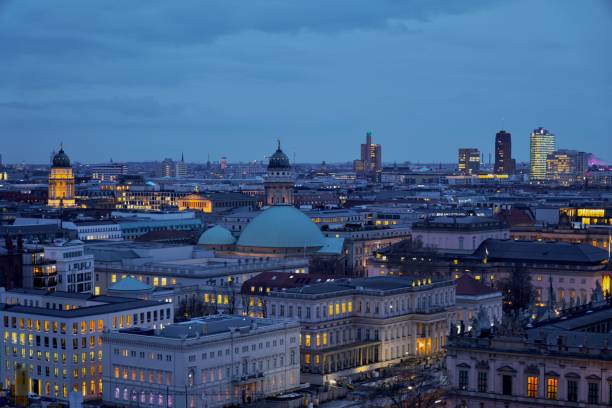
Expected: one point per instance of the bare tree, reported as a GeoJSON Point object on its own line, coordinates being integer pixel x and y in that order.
{"type": "Point", "coordinates": [517, 290]}
{"type": "Point", "coordinates": [407, 387]}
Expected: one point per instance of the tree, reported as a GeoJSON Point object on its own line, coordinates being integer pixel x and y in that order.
{"type": "Point", "coordinates": [411, 386]}
{"type": "Point", "coordinates": [517, 290]}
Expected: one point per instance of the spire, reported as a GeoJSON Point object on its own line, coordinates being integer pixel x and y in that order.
{"type": "Point", "coordinates": [182, 157]}
{"type": "Point", "coordinates": [278, 140]}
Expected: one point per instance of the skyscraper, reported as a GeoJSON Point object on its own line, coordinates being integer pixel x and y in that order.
{"type": "Point", "coordinates": [370, 163]}
{"type": "Point", "coordinates": [542, 143]}
{"type": "Point", "coordinates": [504, 164]}
{"type": "Point", "coordinates": [469, 160]}
{"type": "Point", "coordinates": [566, 167]}
{"type": "Point", "coordinates": [61, 181]}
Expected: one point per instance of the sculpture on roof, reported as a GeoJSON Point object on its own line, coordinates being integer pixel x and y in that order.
{"type": "Point", "coordinates": [598, 298]}
{"type": "Point", "coordinates": [510, 326]}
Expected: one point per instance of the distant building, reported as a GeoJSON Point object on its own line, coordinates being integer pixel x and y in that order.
{"type": "Point", "coordinates": [542, 143]}
{"type": "Point", "coordinates": [168, 168]}
{"type": "Point", "coordinates": [469, 160]}
{"type": "Point", "coordinates": [566, 167]}
{"type": "Point", "coordinates": [75, 269]}
{"type": "Point", "coordinates": [180, 169]}
{"type": "Point", "coordinates": [108, 172]}
{"type": "Point", "coordinates": [504, 163]}
{"type": "Point", "coordinates": [61, 182]}
{"type": "Point", "coordinates": [279, 181]}
{"type": "Point", "coordinates": [208, 362]}
{"type": "Point", "coordinates": [369, 165]}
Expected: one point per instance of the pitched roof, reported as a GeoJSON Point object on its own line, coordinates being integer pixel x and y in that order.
{"type": "Point", "coordinates": [540, 251]}
{"type": "Point", "coordinates": [468, 286]}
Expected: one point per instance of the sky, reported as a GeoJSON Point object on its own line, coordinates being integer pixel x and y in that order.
{"type": "Point", "coordinates": [145, 80]}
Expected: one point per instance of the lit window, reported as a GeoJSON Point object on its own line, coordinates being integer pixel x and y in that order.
{"type": "Point", "coordinates": [532, 387]}
{"type": "Point", "coordinates": [552, 387]}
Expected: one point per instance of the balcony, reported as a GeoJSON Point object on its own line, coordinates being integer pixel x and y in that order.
{"type": "Point", "coordinates": [247, 378]}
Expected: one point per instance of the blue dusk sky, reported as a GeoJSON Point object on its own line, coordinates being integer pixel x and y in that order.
{"type": "Point", "coordinates": [144, 80]}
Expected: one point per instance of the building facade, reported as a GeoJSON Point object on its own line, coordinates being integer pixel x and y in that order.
{"type": "Point", "coordinates": [279, 180]}
{"type": "Point", "coordinates": [504, 163]}
{"type": "Point", "coordinates": [369, 164]}
{"type": "Point", "coordinates": [61, 182]}
{"type": "Point", "coordinates": [56, 337]}
{"type": "Point", "coordinates": [542, 143]}
{"type": "Point", "coordinates": [75, 269]}
{"type": "Point", "coordinates": [563, 362]}
{"type": "Point", "coordinates": [353, 326]}
{"type": "Point", "coordinates": [209, 362]}
{"type": "Point", "coordinates": [469, 160]}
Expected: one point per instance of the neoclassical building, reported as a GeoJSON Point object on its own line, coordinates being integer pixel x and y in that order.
{"type": "Point", "coordinates": [353, 326]}
{"type": "Point", "coordinates": [61, 182]}
{"type": "Point", "coordinates": [561, 362]}
{"type": "Point", "coordinates": [279, 181]}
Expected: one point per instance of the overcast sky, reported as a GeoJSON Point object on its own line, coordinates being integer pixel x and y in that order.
{"type": "Point", "coordinates": [144, 80]}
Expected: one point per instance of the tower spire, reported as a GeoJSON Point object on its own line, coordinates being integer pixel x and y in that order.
{"type": "Point", "coordinates": [278, 140]}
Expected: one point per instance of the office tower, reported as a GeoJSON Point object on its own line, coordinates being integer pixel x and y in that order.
{"type": "Point", "coordinates": [542, 143]}
{"type": "Point", "coordinates": [566, 166]}
{"type": "Point", "coordinates": [181, 168]}
{"type": "Point", "coordinates": [469, 160]}
{"type": "Point", "coordinates": [370, 163]}
{"type": "Point", "coordinates": [108, 172]}
{"type": "Point", "coordinates": [504, 164]}
{"type": "Point", "coordinates": [168, 168]}
{"type": "Point", "coordinates": [279, 181]}
{"type": "Point", "coordinates": [61, 181]}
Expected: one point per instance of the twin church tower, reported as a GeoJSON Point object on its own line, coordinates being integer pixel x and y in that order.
{"type": "Point", "coordinates": [278, 183]}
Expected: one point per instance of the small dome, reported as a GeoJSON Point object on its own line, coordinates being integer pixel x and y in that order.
{"type": "Point", "coordinates": [61, 159]}
{"type": "Point", "coordinates": [281, 226]}
{"type": "Point", "coordinates": [217, 235]}
{"type": "Point", "coordinates": [279, 160]}
{"type": "Point", "coordinates": [130, 284]}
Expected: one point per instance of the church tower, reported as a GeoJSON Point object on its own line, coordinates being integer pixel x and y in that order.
{"type": "Point", "coordinates": [61, 182]}
{"type": "Point", "coordinates": [279, 182]}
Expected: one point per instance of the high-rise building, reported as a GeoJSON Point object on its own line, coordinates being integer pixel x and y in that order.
{"type": "Point", "coordinates": [61, 181]}
{"type": "Point", "coordinates": [168, 168]}
{"type": "Point", "coordinates": [469, 160]}
{"type": "Point", "coordinates": [370, 163]}
{"type": "Point", "coordinates": [542, 143]}
{"type": "Point", "coordinates": [181, 168]}
{"type": "Point", "coordinates": [504, 163]}
{"type": "Point", "coordinates": [279, 181]}
{"type": "Point", "coordinates": [566, 166]}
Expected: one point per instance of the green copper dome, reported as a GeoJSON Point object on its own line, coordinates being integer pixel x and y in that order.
{"type": "Point", "coordinates": [130, 284]}
{"type": "Point", "coordinates": [217, 235]}
{"type": "Point", "coordinates": [281, 226]}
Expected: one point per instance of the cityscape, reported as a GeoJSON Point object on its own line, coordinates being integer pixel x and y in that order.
{"type": "Point", "coordinates": [290, 269]}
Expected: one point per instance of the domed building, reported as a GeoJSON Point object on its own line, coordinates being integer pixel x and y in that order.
{"type": "Point", "coordinates": [61, 182]}
{"type": "Point", "coordinates": [281, 229]}
{"type": "Point", "coordinates": [131, 287]}
{"type": "Point", "coordinates": [279, 181]}
{"type": "Point", "coordinates": [217, 238]}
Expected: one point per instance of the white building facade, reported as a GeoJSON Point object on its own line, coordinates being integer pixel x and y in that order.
{"type": "Point", "coordinates": [57, 337]}
{"type": "Point", "coordinates": [75, 269]}
{"type": "Point", "coordinates": [207, 362]}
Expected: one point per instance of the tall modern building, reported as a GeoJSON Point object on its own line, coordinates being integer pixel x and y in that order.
{"type": "Point", "coordinates": [370, 163]}
{"type": "Point", "coordinates": [279, 182]}
{"type": "Point", "coordinates": [541, 145]}
{"type": "Point", "coordinates": [61, 181]}
{"type": "Point", "coordinates": [469, 160]}
{"type": "Point", "coordinates": [180, 169]}
{"type": "Point", "coordinates": [504, 163]}
{"type": "Point", "coordinates": [168, 168]}
{"type": "Point", "coordinates": [566, 166]}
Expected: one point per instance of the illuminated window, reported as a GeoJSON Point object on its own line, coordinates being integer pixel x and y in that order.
{"type": "Point", "coordinates": [552, 387]}
{"type": "Point", "coordinates": [350, 307]}
{"type": "Point", "coordinates": [331, 310]}
{"type": "Point", "coordinates": [337, 309]}
{"type": "Point", "coordinates": [318, 340]}
{"type": "Point", "coordinates": [164, 281]}
{"type": "Point", "coordinates": [307, 358]}
{"type": "Point", "coordinates": [532, 387]}
{"type": "Point", "coordinates": [307, 340]}
{"type": "Point", "coordinates": [324, 339]}
{"type": "Point", "coordinates": [113, 278]}
{"type": "Point", "coordinates": [343, 307]}
{"type": "Point", "coordinates": [155, 281]}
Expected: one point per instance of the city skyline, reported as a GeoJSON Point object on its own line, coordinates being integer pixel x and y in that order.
{"type": "Point", "coordinates": [426, 79]}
